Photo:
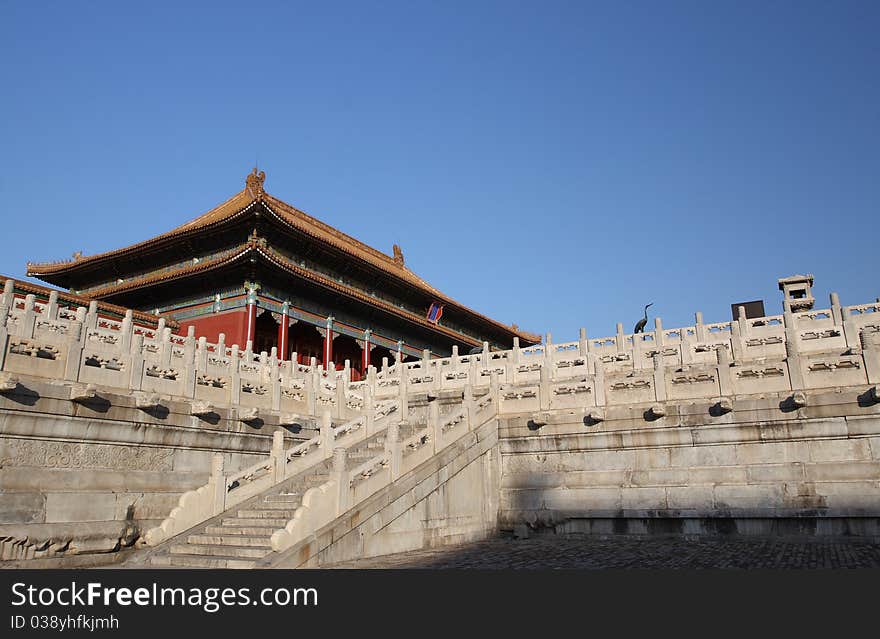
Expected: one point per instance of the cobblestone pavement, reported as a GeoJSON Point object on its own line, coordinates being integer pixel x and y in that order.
{"type": "Point", "coordinates": [637, 552]}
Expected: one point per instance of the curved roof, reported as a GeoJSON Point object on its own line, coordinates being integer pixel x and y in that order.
{"type": "Point", "coordinates": [238, 205]}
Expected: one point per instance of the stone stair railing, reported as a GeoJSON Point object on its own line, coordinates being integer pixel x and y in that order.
{"type": "Point", "coordinates": [348, 487]}
{"type": "Point", "coordinates": [223, 491]}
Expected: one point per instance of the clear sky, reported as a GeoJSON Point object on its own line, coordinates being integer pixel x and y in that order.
{"type": "Point", "coordinates": [553, 164]}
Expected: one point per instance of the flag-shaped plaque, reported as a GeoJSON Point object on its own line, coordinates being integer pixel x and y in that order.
{"type": "Point", "coordinates": [435, 312]}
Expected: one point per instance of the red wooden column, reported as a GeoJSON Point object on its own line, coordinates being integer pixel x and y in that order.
{"type": "Point", "coordinates": [251, 311]}
{"type": "Point", "coordinates": [283, 329]}
{"type": "Point", "coordinates": [365, 355]}
{"type": "Point", "coordinates": [328, 344]}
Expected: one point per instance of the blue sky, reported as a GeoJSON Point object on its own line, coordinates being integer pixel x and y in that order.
{"type": "Point", "coordinates": [553, 164]}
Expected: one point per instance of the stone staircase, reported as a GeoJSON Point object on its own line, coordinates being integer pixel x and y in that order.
{"type": "Point", "coordinates": [240, 536]}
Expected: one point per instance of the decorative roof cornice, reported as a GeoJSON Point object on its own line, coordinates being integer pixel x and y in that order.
{"type": "Point", "coordinates": [259, 246]}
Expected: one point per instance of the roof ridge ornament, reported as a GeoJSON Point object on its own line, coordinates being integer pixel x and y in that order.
{"type": "Point", "coordinates": [398, 255]}
{"type": "Point", "coordinates": [254, 183]}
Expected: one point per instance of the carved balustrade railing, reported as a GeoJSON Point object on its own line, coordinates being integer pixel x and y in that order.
{"type": "Point", "coordinates": [225, 490]}
{"type": "Point", "coordinates": [836, 346]}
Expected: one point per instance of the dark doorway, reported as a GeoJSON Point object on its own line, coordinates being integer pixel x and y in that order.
{"type": "Point", "coordinates": [346, 347]}
{"type": "Point", "coordinates": [377, 354]}
{"type": "Point", "coordinates": [306, 342]}
{"type": "Point", "coordinates": [265, 333]}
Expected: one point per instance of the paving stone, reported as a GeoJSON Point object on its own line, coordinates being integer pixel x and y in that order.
{"type": "Point", "coordinates": [628, 552]}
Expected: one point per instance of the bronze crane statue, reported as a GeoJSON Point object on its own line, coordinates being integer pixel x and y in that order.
{"type": "Point", "coordinates": [640, 325]}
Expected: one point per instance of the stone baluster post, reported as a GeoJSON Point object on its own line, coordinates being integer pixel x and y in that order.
{"type": "Point", "coordinates": [263, 360]}
{"type": "Point", "coordinates": [234, 376]}
{"type": "Point", "coordinates": [583, 342]}
{"type": "Point", "coordinates": [76, 341]}
{"type": "Point", "coordinates": [312, 381]}
{"type": "Point", "coordinates": [745, 326]}
{"type": "Point", "coordinates": [544, 386]}
{"type": "Point", "coordinates": [136, 352]}
{"type": "Point", "coordinates": [659, 337]}
{"type": "Point", "coordinates": [275, 378]}
{"type": "Point", "coordinates": [218, 482]}
{"type": "Point", "coordinates": [369, 410]}
{"type": "Point", "coordinates": [29, 319]}
{"type": "Point", "coordinates": [850, 329]}
{"type": "Point", "coordinates": [393, 449]}
{"type": "Point", "coordinates": [328, 437]}
{"type": "Point", "coordinates": [51, 312]}
{"type": "Point", "coordinates": [620, 338]}
{"type": "Point", "coordinates": [599, 381]}
{"type": "Point", "coordinates": [687, 345]}
{"type": "Point", "coordinates": [870, 345]}
{"type": "Point", "coordinates": [836, 310]}
{"type": "Point", "coordinates": [438, 371]}
{"type": "Point", "coordinates": [638, 362]}
{"type": "Point", "coordinates": [6, 301]}
{"type": "Point", "coordinates": [340, 476]}
{"type": "Point", "coordinates": [737, 343]}
{"type": "Point", "coordinates": [125, 333]}
{"type": "Point", "coordinates": [166, 348]}
{"type": "Point", "coordinates": [792, 348]}
{"type": "Point", "coordinates": [549, 356]}
{"type": "Point", "coordinates": [371, 379]}
{"type": "Point", "coordinates": [467, 400]}
{"type": "Point", "coordinates": [202, 355]}
{"type": "Point", "coordinates": [513, 362]}
{"type": "Point", "coordinates": [426, 362]}
{"type": "Point", "coordinates": [279, 464]}
{"type": "Point", "coordinates": [339, 399]}
{"type": "Point", "coordinates": [699, 326]}
{"type": "Point", "coordinates": [495, 391]}
{"type": "Point", "coordinates": [189, 362]}
{"type": "Point", "coordinates": [402, 391]}
{"type": "Point", "coordinates": [725, 383]}
{"type": "Point", "coordinates": [434, 426]}
{"type": "Point", "coordinates": [454, 361]}
{"type": "Point", "coordinates": [659, 378]}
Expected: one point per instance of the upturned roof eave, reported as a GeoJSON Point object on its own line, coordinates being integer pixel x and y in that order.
{"type": "Point", "coordinates": [273, 257]}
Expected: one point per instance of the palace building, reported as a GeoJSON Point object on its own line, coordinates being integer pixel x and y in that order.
{"type": "Point", "coordinates": [259, 270]}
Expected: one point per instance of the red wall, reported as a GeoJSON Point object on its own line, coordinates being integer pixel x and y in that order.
{"type": "Point", "coordinates": [232, 323]}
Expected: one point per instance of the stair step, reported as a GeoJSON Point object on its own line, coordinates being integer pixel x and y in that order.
{"type": "Point", "coordinates": [247, 552]}
{"type": "Point", "coordinates": [267, 513]}
{"type": "Point", "coordinates": [284, 498]}
{"type": "Point", "coordinates": [201, 561]}
{"type": "Point", "coordinates": [261, 541]}
{"type": "Point", "coordinates": [254, 531]}
{"type": "Point", "coordinates": [259, 522]}
{"type": "Point", "coordinates": [276, 505]}
{"type": "Point", "coordinates": [362, 454]}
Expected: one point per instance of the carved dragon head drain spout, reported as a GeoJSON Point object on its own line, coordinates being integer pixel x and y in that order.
{"type": "Point", "coordinates": [640, 325]}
